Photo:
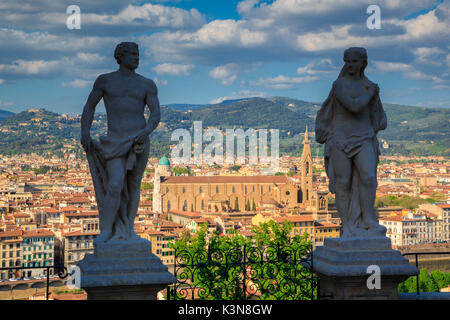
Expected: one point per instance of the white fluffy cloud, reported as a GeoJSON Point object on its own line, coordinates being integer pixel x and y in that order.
{"type": "Point", "coordinates": [320, 67]}
{"type": "Point", "coordinates": [147, 16]}
{"type": "Point", "coordinates": [173, 69]}
{"type": "Point", "coordinates": [282, 82]}
{"type": "Point", "coordinates": [408, 70]}
{"type": "Point", "coordinates": [28, 68]}
{"type": "Point", "coordinates": [160, 82]}
{"type": "Point", "coordinates": [102, 18]}
{"type": "Point", "coordinates": [5, 103]}
{"type": "Point", "coordinates": [77, 83]}
{"type": "Point", "coordinates": [38, 44]}
{"type": "Point", "coordinates": [227, 74]}
{"type": "Point", "coordinates": [218, 41]}
{"type": "Point", "coordinates": [289, 10]}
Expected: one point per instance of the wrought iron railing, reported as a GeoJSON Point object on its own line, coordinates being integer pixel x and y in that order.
{"type": "Point", "coordinates": [60, 271]}
{"type": "Point", "coordinates": [416, 255]}
{"type": "Point", "coordinates": [272, 272]}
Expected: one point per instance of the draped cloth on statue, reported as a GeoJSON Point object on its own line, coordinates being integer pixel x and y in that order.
{"type": "Point", "coordinates": [350, 147]}
{"type": "Point", "coordinates": [98, 154]}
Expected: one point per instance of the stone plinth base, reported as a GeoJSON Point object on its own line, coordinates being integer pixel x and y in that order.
{"type": "Point", "coordinates": [142, 292]}
{"type": "Point", "coordinates": [342, 266]}
{"type": "Point", "coordinates": [123, 270]}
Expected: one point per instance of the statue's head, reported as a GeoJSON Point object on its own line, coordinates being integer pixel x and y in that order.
{"type": "Point", "coordinates": [127, 54]}
{"type": "Point", "coordinates": [355, 61]}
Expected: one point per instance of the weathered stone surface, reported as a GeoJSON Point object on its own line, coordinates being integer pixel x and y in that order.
{"type": "Point", "coordinates": [342, 266]}
{"type": "Point", "coordinates": [137, 292]}
{"type": "Point", "coordinates": [355, 288]}
{"type": "Point", "coordinates": [352, 257]}
{"type": "Point", "coordinates": [348, 123]}
{"type": "Point", "coordinates": [118, 160]}
{"type": "Point", "coordinates": [123, 263]}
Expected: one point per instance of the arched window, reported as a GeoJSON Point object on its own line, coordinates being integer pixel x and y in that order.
{"type": "Point", "coordinates": [217, 189]}
{"type": "Point", "coordinates": [201, 190]}
{"type": "Point", "coordinates": [307, 168]}
{"type": "Point", "coordinates": [245, 189]}
{"type": "Point", "coordinates": [185, 205]}
{"type": "Point", "coordinates": [234, 189]}
{"type": "Point", "coordinates": [322, 202]}
{"type": "Point", "coordinates": [184, 190]}
{"type": "Point", "coordinates": [307, 194]}
{"type": "Point", "coordinates": [203, 205]}
{"type": "Point", "coordinates": [168, 205]}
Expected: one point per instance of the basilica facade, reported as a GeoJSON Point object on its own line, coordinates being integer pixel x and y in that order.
{"type": "Point", "coordinates": [236, 193]}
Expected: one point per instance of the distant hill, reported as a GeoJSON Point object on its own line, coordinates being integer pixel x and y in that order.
{"type": "Point", "coordinates": [417, 130]}
{"type": "Point", "coordinates": [5, 115]}
{"type": "Point", "coordinates": [185, 107]}
{"type": "Point", "coordinates": [411, 130]}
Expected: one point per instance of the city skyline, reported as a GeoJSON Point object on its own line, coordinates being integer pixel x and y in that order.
{"type": "Point", "coordinates": [200, 52]}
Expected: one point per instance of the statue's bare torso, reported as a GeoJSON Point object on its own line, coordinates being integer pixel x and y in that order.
{"type": "Point", "coordinates": [347, 123]}
{"type": "Point", "coordinates": [125, 99]}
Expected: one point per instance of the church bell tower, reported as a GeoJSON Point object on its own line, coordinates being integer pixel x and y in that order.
{"type": "Point", "coordinates": [306, 170]}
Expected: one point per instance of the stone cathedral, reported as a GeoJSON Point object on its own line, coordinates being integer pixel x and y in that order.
{"type": "Point", "coordinates": [237, 193]}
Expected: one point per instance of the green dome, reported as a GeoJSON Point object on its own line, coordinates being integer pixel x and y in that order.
{"type": "Point", "coordinates": [164, 161]}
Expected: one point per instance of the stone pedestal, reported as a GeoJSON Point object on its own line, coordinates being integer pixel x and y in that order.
{"type": "Point", "coordinates": [342, 267]}
{"type": "Point", "coordinates": [123, 270]}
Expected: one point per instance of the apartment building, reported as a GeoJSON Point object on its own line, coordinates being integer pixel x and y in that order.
{"type": "Point", "coordinates": [412, 230]}
{"type": "Point", "coordinates": [38, 251]}
{"type": "Point", "coordinates": [160, 244]}
{"type": "Point", "coordinates": [445, 221]}
{"type": "Point", "coordinates": [10, 253]}
{"type": "Point", "coordinates": [302, 224]}
{"type": "Point", "coordinates": [325, 229]}
{"type": "Point", "coordinates": [76, 245]}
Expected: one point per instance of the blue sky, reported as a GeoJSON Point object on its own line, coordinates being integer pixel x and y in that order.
{"type": "Point", "coordinates": [204, 51]}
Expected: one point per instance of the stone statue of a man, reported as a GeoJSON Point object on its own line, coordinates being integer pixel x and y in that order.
{"type": "Point", "coordinates": [348, 123]}
{"type": "Point", "coordinates": [118, 160]}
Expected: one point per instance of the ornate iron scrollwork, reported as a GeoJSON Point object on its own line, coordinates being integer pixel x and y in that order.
{"type": "Point", "coordinates": [271, 272]}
